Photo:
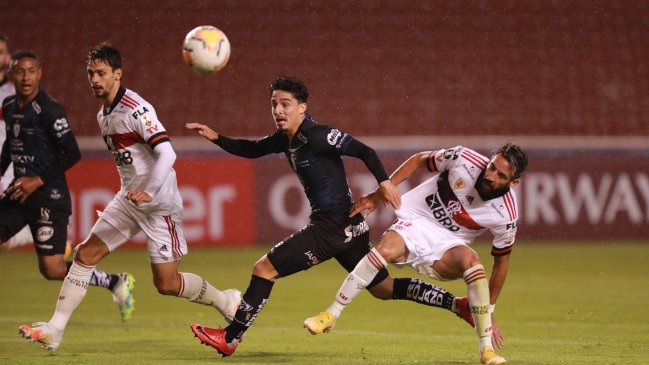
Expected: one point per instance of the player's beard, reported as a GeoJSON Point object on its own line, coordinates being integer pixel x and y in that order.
{"type": "Point", "coordinates": [489, 194]}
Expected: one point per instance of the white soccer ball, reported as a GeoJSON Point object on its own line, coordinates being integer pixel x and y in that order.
{"type": "Point", "coordinates": [206, 49]}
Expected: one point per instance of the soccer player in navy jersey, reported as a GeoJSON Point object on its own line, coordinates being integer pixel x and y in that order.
{"type": "Point", "coordinates": [314, 152]}
{"type": "Point", "coordinates": [42, 147]}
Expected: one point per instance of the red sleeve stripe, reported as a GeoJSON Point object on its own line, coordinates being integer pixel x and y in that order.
{"type": "Point", "coordinates": [375, 261]}
{"type": "Point", "coordinates": [430, 163]}
{"type": "Point", "coordinates": [476, 275]}
{"type": "Point", "coordinates": [511, 205]}
{"type": "Point", "coordinates": [130, 100]}
{"type": "Point", "coordinates": [478, 160]}
{"type": "Point", "coordinates": [501, 251]}
{"type": "Point", "coordinates": [127, 103]}
{"type": "Point", "coordinates": [158, 138]}
{"type": "Point", "coordinates": [124, 140]}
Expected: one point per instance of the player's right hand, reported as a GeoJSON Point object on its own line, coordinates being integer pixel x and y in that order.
{"type": "Point", "coordinates": [203, 130]}
{"type": "Point", "coordinates": [497, 339]}
{"type": "Point", "coordinates": [391, 194]}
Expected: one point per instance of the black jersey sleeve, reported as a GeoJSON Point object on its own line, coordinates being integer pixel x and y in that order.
{"type": "Point", "coordinates": [252, 148]}
{"type": "Point", "coordinates": [64, 142]}
{"type": "Point", "coordinates": [325, 139]}
{"type": "Point", "coordinates": [5, 158]}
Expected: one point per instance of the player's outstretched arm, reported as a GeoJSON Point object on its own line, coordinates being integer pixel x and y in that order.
{"type": "Point", "coordinates": [203, 130]}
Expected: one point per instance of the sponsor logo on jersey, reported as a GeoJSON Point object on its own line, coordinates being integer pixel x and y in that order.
{"type": "Point", "coordinates": [470, 199]}
{"type": "Point", "coordinates": [137, 113]}
{"type": "Point", "coordinates": [356, 230]}
{"type": "Point", "coordinates": [440, 214]}
{"type": "Point", "coordinates": [44, 233]}
{"type": "Point", "coordinates": [22, 159]}
{"type": "Point", "coordinates": [333, 136]}
{"type": "Point", "coordinates": [312, 259]}
{"type": "Point", "coordinates": [459, 184]}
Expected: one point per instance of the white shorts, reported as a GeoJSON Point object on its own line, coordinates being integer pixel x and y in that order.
{"type": "Point", "coordinates": [121, 220]}
{"type": "Point", "coordinates": [426, 243]}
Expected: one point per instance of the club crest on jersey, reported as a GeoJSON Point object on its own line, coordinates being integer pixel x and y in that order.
{"type": "Point", "coordinates": [45, 216]}
{"type": "Point", "coordinates": [147, 120]}
{"type": "Point", "coordinates": [459, 184]}
{"type": "Point", "coordinates": [16, 130]}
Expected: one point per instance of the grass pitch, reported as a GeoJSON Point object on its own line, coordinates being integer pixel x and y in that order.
{"type": "Point", "coordinates": [563, 303]}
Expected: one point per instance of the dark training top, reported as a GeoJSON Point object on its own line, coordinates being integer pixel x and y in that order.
{"type": "Point", "coordinates": [40, 143]}
{"type": "Point", "coordinates": [314, 153]}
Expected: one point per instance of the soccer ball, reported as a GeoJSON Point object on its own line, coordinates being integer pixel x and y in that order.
{"type": "Point", "coordinates": [206, 49]}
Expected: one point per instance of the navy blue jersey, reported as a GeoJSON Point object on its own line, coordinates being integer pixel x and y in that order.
{"type": "Point", "coordinates": [40, 143]}
{"type": "Point", "coordinates": [314, 153]}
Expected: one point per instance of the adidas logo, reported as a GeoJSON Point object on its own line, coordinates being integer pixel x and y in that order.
{"type": "Point", "coordinates": [470, 199]}
{"type": "Point", "coordinates": [164, 248]}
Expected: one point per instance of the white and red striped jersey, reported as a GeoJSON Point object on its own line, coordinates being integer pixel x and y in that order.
{"type": "Point", "coordinates": [131, 130]}
{"type": "Point", "coordinates": [450, 201]}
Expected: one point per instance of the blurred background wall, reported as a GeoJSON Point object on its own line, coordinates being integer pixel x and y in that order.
{"type": "Point", "coordinates": [569, 80]}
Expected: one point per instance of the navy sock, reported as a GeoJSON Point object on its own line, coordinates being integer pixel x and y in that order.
{"type": "Point", "coordinates": [252, 303]}
{"type": "Point", "coordinates": [421, 292]}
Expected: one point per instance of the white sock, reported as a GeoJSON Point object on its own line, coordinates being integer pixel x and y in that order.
{"type": "Point", "coordinates": [198, 290]}
{"type": "Point", "coordinates": [74, 288]}
{"type": "Point", "coordinates": [357, 280]}
{"type": "Point", "coordinates": [478, 288]}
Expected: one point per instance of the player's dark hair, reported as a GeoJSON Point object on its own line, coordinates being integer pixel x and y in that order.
{"type": "Point", "coordinates": [515, 157]}
{"type": "Point", "coordinates": [291, 85]}
{"type": "Point", "coordinates": [107, 53]}
{"type": "Point", "coordinates": [20, 54]}
{"type": "Point", "coordinates": [4, 38]}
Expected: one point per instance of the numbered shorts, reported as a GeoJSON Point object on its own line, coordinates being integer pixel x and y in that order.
{"type": "Point", "coordinates": [327, 236]}
{"type": "Point", "coordinates": [426, 242]}
{"type": "Point", "coordinates": [48, 227]}
{"type": "Point", "coordinates": [121, 220]}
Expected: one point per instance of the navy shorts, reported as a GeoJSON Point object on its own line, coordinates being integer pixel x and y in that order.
{"type": "Point", "coordinates": [49, 227]}
{"type": "Point", "coordinates": [327, 236]}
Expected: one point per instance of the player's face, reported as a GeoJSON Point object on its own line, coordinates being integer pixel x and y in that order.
{"type": "Point", "coordinates": [25, 73]}
{"type": "Point", "coordinates": [104, 81]}
{"type": "Point", "coordinates": [498, 175]}
{"type": "Point", "coordinates": [288, 112]}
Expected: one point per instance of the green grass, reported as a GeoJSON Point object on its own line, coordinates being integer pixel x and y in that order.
{"type": "Point", "coordinates": [563, 303]}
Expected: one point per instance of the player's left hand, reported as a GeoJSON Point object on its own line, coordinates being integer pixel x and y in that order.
{"type": "Point", "coordinates": [23, 187]}
{"type": "Point", "coordinates": [496, 336]}
{"type": "Point", "coordinates": [366, 204]}
{"type": "Point", "coordinates": [138, 197]}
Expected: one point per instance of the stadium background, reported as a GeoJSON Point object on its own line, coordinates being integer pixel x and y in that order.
{"type": "Point", "coordinates": [568, 80]}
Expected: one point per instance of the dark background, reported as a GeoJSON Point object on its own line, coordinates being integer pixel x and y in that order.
{"type": "Point", "coordinates": [373, 67]}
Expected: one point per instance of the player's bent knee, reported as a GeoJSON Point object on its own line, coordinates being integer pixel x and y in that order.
{"type": "Point", "coordinates": [166, 288]}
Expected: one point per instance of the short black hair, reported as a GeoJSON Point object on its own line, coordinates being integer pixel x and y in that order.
{"type": "Point", "coordinates": [20, 54]}
{"type": "Point", "coordinates": [292, 85]}
{"type": "Point", "coordinates": [107, 53]}
{"type": "Point", "coordinates": [4, 37]}
{"type": "Point", "coordinates": [515, 157]}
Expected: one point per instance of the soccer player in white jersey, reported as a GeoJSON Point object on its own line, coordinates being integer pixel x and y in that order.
{"type": "Point", "coordinates": [467, 195]}
{"type": "Point", "coordinates": [148, 201]}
